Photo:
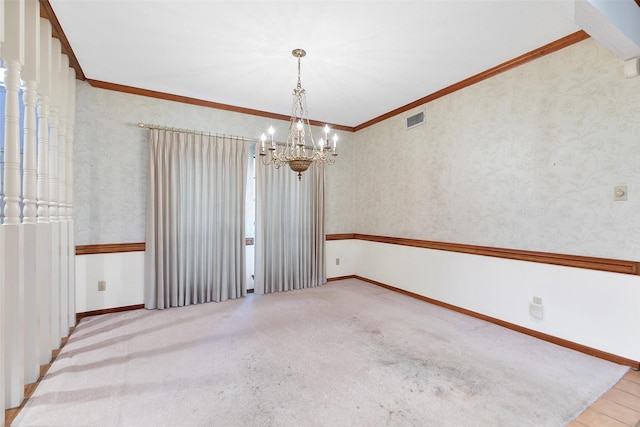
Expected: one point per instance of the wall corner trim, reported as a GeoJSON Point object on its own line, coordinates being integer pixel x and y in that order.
{"type": "Point", "coordinates": [109, 248]}
{"type": "Point", "coordinates": [577, 261]}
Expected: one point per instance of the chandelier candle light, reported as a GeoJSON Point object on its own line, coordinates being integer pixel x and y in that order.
{"type": "Point", "coordinates": [296, 153]}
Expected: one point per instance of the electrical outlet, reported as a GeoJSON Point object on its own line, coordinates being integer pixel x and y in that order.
{"type": "Point", "coordinates": [102, 285]}
{"type": "Point", "coordinates": [536, 310]}
{"type": "Point", "coordinates": [337, 261]}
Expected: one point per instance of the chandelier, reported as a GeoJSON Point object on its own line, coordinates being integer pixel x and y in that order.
{"type": "Point", "coordinates": [297, 152]}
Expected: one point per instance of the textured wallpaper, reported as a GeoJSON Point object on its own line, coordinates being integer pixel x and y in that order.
{"type": "Point", "coordinates": [110, 160]}
{"type": "Point", "coordinates": [527, 159]}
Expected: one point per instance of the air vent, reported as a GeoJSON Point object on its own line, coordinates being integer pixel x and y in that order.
{"type": "Point", "coordinates": [415, 120]}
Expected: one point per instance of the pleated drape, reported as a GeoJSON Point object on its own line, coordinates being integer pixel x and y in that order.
{"type": "Point", "coordinates": [195, 247]}
{"type": "Point", "coordinates": [289, 243]}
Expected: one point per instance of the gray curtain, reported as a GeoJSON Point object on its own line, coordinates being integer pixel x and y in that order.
{"type": "Point", "coordinates": [195, 248]}
{"type": "Point", "coordinates": [290, 236]}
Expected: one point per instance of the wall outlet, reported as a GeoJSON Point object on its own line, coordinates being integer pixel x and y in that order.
{"type": "Point", "coordinates": [102, 285]}
{"type": "Point", "coordinates": [337, 261]}
{"type": "Point", "coordinates": [536, 310]}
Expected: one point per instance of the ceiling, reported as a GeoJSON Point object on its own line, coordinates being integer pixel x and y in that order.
{"type": "Point", "coordinates": [364, 58]}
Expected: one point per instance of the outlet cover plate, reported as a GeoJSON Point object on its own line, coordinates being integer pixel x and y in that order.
{"type": "Point", "coordinates": [536, 311]}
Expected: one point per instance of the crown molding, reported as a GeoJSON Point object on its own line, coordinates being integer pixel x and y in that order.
{"type": "Point", "coordinates": [46, 11]}
{"type": "Point", "coordinates": [516, 62]}
{"type": "Point", "coordinates": [202, 103]}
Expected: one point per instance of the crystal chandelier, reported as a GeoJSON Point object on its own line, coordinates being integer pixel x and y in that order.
{"type": "Point", "coordinates": [296, 152]}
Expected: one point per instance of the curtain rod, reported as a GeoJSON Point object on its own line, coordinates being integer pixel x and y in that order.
{"type": "Point", "coordinates": [194, 132]}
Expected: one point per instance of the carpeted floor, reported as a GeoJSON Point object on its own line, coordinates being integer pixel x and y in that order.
{"type": "Point", "coordinates": [344, 354]}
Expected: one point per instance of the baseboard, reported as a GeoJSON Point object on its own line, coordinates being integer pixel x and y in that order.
{"type": "Point", "coordinates": [118, 309]}
{"type": "Point", "coordinates": [545, 337]}
{"type": "Point", "coordinates": [108, 310]}
{"type": "Point", "coordinates": [334, 279]}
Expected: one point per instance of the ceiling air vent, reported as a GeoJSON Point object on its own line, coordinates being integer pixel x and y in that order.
{"type": "Point", "coordinates": [415, 120]}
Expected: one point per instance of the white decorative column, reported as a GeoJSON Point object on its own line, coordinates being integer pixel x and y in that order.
{"type": "Point", "coordinates": [61, 84]}
{"type": "Point", "coordinates": [54, 111]}
{"type": "Point", "coordinates": [12, 53]}
{"type": "Point", "coordinates": [30, 76]}
{"type": "Point", "coordinates": [2, 299]}
{"type": "Point", "coordinates": [43, 254]}
{"type": "Point", "coordinates": [2, 246]}
{"type": "Point", "coordinates": [71, 122]}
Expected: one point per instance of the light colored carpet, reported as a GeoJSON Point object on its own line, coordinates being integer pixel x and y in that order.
{"type": "Point", "coordinates": [343, 354]}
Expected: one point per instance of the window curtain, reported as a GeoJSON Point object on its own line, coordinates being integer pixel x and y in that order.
{"type": "Point", "coordinates": [290, 236]}
{"type": "Point", "coordinates": [195, 247]}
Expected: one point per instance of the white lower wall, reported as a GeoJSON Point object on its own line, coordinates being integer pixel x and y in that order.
{"type": "Point", "coordinates": [124, 274]}
{"type": "Point", "coordinates": [588, 307]}
{"type": "Point", "coordinates": [341, 257]}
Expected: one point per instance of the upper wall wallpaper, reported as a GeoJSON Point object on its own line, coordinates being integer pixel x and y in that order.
{"type": "Point", "coordinates": [526, 160]}
{"type": "Point", "coordinates": [110, 159]}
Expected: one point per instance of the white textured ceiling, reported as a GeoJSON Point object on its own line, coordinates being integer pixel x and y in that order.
{"type": "Point", "coordinates": [364, 58]}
